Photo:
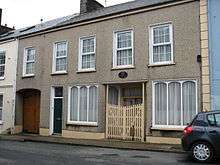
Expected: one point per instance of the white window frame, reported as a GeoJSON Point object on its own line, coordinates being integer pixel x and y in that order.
{"type": "Point", "coordinates": [3, 77]}
{"type": "Point", "coordinates": [55, 57]}
{"type": "Point", "coordinates": [25, 62]}
{"type": "Point", "coordinates": [52, 97]}
{"type": "Point", "coordinates": [69, 103]}
{"type": "Point", "coordinates": [182, 126]}
{"type": "Point", "coordinates": [151, 44]}
{"type": "Point", "coordinates": [115, 49]}
{"type": "Point", "coordinates": [81, 39]}
{"type": "Point", "coordinates": [1, 94]}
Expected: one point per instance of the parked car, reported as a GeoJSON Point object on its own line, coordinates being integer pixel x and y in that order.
{"type": "Point", "coordinates": [201, 138]}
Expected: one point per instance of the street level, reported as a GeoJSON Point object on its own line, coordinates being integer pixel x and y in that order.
{"type": "Point", "coordinates": [28, 153]}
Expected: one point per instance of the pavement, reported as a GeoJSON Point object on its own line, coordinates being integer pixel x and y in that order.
{"type": "Point", "coordinates": [105, 143]}
{"type": "Point", "coordinates": [37, 153]}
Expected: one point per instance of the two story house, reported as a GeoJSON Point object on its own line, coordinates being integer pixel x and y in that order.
{"type": "Point", "coordinates": [9, 42]}
{"type": "Point", "coordinates": [130, 71]}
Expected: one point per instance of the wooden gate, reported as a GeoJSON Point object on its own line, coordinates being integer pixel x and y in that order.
{"type": "Point", "coordinates": [125, 122]}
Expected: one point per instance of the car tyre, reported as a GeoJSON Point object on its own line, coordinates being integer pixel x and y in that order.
{"type": "Point", "coordinates": [202, 152]}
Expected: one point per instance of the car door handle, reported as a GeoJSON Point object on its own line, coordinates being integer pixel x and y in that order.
{"type": "Point", "coordinates": [213, 132]}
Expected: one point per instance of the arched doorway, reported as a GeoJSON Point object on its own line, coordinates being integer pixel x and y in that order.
{"type": "Point", "coordinates": [31, 110]}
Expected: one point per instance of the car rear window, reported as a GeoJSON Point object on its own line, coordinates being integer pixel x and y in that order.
{"type": "Point", "coordinates": [199, 120]}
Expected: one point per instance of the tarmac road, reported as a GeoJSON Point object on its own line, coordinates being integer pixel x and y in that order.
{"type": "Point", "coordinates": [32, 153]}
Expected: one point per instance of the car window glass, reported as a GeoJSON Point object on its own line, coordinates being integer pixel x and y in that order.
{"type": "Point", "coordinates": [211, 120]}
{"type": "Point", "coordinates": [199, 121]}
{"type": "Point", "coordinates": [217, 119]}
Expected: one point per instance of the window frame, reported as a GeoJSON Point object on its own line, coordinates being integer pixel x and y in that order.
{"type": "Point", "coordinates": [2, 94]}
{"type": "Point", "coordinates": [81, 39]}
{"type": "Point", "coordinates": [3, 77]}
{"type": "Point", "coordinates": [151, 43]}
{"type": "Point", "coordinates": [86, 123]}
{"type": "Point", "coordinates": [25, 62]}
{"type": "Point", "coordinates": [55, 57]}
{"type": "Point", "coordinates": [115, 49]}
{"type": "Point", "coordinates": [182, 126]}
{"type": "Point", "coordinates": [213, 114]}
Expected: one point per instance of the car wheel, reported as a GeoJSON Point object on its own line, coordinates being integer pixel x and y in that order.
{"type": "Point", "coordinates": [202, 152]}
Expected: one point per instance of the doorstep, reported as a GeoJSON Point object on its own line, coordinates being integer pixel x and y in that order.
{"type": "Point", "coordinates": [105, 143]}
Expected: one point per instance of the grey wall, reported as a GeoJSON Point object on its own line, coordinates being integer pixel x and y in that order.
{"type": "Point", "coordinates": [185, 20]}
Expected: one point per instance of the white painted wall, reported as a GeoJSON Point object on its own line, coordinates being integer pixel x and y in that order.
{"type": "Point", "coordinates": [7, 85]}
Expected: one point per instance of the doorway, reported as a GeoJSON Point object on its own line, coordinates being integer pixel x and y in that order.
{"type": "Point", "coordinates": [57, 108]}
{"type": "Point", "coordinates": [31, 111]}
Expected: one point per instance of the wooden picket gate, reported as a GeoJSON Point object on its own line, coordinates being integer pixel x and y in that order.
{"type": "Point", "coordinates": [125, 122]}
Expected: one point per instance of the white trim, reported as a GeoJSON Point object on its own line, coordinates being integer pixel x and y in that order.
{"type": "Point", "coordinates": [155, 126]}
{"type": "Point", "coordinates": [150, 29]}
{"type": "Point", "coordinates": [83, 123]}
{"type": "Point", "coordinates": [52, 97]}
{"type": "Point", "coordinates": [51, 110]}
{"type": "Point", "coordinates": [3, 77]}
{"type": "Point", "coordinates": [78, 108]}
{"type": "Point", "coordinates": [2, 120]}
{"type": "Point", "coordinates": [25, 61]}
{"type": "Point", "coordinates": [115, 49]}
{"type": "Point", "coordinates": [54, 57]}
{"type": "Point", "coordinates": [80, 54]}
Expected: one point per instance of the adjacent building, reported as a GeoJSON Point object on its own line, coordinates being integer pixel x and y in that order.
{"type": "Point", "coordinates": [8, 63]}
{"type": "Point", "coordinates": [214, 52]}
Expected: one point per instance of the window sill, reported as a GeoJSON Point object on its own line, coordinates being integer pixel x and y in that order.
{"type": "Point", "coordinates": [91, 124]}
{"type": "Point", "coordinates": [165, 64]}
{"type": "Point", "coordinates": [123, 68]}
{"type": "Point", "coordinates": [168, 128]}
{"type": "Point", "coordinates": [59, 73]}
{"type": "Point", "coordinates": [28, 76]}
{"type": "Point", "coordinates": [2, 78]}
{"type": "Point", "coordinates": [86, 71]}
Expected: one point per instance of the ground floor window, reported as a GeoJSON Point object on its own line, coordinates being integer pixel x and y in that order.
{"type": "Point", "coordinates": [1, 107]}
{"type": "Point", "coordinates": [174, 102]}
{"type": "Point", "coordinates": [83, 104]}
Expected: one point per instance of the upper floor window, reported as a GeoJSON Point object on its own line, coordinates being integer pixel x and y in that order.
{"type": "Point", "coordinates": [161, 44]}
{"type": "Point", "coordinates": [2, 64]}
{"type": "Point", "coordinates": [60, 57]}
{"type": "Point", "coordinates": [123, 49]}
{"type": "Point", "coordinates": [29, 62]}
{"type": "Point", "coordinates": [1, 107]}
{"type": "Point", "coordinates": [87, 53]}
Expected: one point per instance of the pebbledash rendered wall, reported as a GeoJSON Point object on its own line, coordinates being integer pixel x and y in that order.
{"type": "Point", "coordinates": [185, 20]}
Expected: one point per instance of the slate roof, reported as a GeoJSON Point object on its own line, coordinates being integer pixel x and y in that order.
{"type": "Point", "coordinates": [111, 10]}
{"type": "Point", "coordinates": [76, 18]}
{"type": "Point", "coordinates": [36, 28]}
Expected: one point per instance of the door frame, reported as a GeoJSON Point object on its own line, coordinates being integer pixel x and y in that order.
{"type": "Point", "coordinates": [52, 97]}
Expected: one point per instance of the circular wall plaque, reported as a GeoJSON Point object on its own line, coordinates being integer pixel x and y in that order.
{"type": "Point", "coordinates": [123, 74]}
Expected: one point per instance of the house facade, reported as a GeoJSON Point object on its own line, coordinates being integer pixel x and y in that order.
{"type": "Point", "coordinates": [8, 63]}
{"type": "Point", "coordinates": [112, 72]}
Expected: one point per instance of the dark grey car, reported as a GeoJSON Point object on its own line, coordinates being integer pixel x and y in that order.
{"type": "Point", "coordinates": [202, 137]}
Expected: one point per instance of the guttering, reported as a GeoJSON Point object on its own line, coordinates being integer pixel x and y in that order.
{"type": "Point", "coordinates": [8, 40]}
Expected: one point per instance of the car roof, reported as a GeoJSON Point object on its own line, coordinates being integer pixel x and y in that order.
{"type": "Point", "coordinates": [210, 112]}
